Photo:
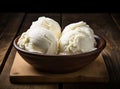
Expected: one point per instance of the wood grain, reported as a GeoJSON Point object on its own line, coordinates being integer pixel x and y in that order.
{"type": "Point", "coordinates": [5, 80]}
{"type": "Point", "coordinates": [9, 25]}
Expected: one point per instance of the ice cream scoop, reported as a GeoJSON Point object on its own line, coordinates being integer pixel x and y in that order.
{"type": "Point", "coordinates": [77, 38]}
{"type": "Point", "coordinates": [48, 24]}
{"type": "Point", "coordinates": [41, 37]}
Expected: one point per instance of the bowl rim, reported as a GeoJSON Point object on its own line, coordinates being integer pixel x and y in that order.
{"type": "Point", "coordinates": [103, 44]}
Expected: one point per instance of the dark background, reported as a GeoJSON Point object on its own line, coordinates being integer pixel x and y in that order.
{"type": "Point", "coordinates": [59, 6]}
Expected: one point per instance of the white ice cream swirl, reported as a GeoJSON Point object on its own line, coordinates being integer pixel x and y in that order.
{"type": "Point", "coordinates": [41, 37]}
{"type": "Point", "coordinates": [77, 38]}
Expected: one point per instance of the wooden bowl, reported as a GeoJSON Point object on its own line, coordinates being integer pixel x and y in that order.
{"type": "Point", "coordinates": [60, 63]}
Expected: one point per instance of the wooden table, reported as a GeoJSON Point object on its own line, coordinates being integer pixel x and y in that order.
{"type": "Point", "coordinates": [105, 24]}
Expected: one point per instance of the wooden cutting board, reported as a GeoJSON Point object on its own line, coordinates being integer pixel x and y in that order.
{"type": "Point", "coordinates": [22, 72]}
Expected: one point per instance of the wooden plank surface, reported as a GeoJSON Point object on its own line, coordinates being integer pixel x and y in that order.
{"type": "Point", "coordinates": [5, 80]}
{"type": "Point", "coordinates": [103, 25]}
{"type": "Point", "coordinates": [22, 72]}
{"type": "Point", "coordinates": [9, 25]}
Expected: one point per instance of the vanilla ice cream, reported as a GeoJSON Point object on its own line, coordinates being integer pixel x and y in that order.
{"type": "Point", "coordinates": [41, 37]}
{"type": "Point", "coordinates": [77, 38]}
{"type": "Point", "coordinates": [44, 36]}
{"type": "Point", "coordinates": [48, 24]}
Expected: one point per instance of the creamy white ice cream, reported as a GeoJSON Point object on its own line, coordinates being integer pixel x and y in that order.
{"type": "Point", "coordinates": [77, 38]}
{"type": "Point", "coordinates": [42, 37]}
{"type": "Point", "coordinates": [48, 24]}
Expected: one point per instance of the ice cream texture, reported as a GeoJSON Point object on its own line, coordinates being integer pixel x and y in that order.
{"type": "Point", "coordinates": [41, 37]}
{"type": "Point", "coordinates": [77, 38]}
{"type": "Point", "coordinates": [45, 36]}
